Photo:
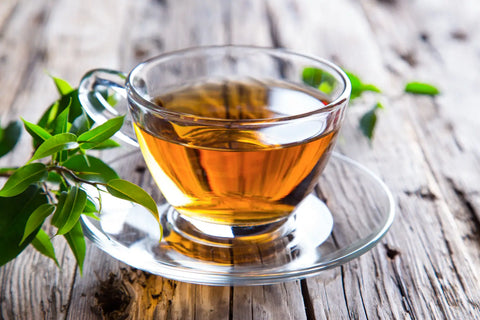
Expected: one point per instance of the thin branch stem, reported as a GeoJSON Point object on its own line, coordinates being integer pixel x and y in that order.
{"type": "Point", "coordinates": [62, 170]}
{"type": "Point", "coordinates": [47, 192]}
{"type": "Point", "coordinates": [7, 172]}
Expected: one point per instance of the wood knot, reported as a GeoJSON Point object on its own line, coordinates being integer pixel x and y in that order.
{"type": "Point", "coordinates": [423, 192]}
{"type": "Point", "coordinates": [425, 37]}
{"type": "Point", "coordinates": [409, 57]}
{"type": "Point", "coordinates": [140, 169]}
{"type": "Point", "coordinates": [391, 252]}
{"type": "Point", "coordinates": [459, 35]}
{"type": "Point", "coordinates": [147, 47]}
{"type": "Point", "coordinates": [112, 299]}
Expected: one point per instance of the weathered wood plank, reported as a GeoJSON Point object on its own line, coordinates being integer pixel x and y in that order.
{"type": "Point", "coordinates": [420, 278]}
{"type": "Point", "coordinates": [352, 290]}
{"type": "Point", "coordinates": [41, 36]}
{"type": "Point", "coordinates": [443, 129]}
{"type": "Point", "coordinates": [148, 33]}
{"type": "Point", "coordinates": [31, 286]}
{"type": "Point", "coordinates": [280, 301]}
{"type": "Point", "coordinates": [450, 122]}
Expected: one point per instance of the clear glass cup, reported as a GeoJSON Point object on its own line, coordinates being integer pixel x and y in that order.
{"type": "Point", "coordinates": [235, 137]}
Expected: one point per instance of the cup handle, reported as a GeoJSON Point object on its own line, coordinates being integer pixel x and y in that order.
{"type": "Point", "coordinates": [103, 96]}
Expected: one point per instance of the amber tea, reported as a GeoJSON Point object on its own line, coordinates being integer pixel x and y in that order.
{"type": "Point", "coordinates": [236, 174]}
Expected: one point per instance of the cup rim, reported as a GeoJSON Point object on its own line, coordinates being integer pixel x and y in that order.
{"type": "Point", "coordinates": [141, 102]}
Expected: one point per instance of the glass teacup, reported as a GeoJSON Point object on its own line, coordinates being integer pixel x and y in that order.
{"type": "Point", "coordinates": [235, 137]}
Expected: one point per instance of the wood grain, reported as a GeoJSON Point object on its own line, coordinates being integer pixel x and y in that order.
{"type": "Point", "coordinates": [425, 149]}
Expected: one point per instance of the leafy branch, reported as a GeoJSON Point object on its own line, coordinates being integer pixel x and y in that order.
{"type": "Point", "coordinates": [324, 82]}
{"type": "Point", "coordinates": [53, 183]}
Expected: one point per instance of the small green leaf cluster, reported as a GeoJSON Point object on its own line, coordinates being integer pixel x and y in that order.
{"type": "Point", "coordinates": [53, 182]}
{"type": "Point", "coordinates": [324, 82]}
{"type": "Point", "coordinates": [369, 119]}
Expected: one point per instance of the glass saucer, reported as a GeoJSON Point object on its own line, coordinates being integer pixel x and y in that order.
{"type": "Point", "coordinates": [349, 212]}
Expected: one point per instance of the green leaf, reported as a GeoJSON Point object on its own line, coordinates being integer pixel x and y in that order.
{"type": "Point", "coordinates": [368, 121]}
{"type": "Point", "coordinates": [22, 178]}
{"type": "Point", "coordinates": [38, 133]}
{"type": "Point", "coordinates": [421, 88]}
{"type": "Point", "coordinates": [42, 243]}
{"type": "Point", "coordinates": [325, 87]}
{"type": "Point", "coordinates": [68, 212]}
{"type": "Point", "coordinates": [91, 215]}
{"type": "Point", "coordinates": [54, 144]}
{"type": "Point", "coordinates": [101, 133]}
{"type": "Point", "coordinates": [14, 215]}
{"type": "Point", "coordinates": [9, 137]}
{"type": "Point", "coordinates": [81, 124]}
{"type": "Point", "coordinates": [113, 99]}
{"type": "Point", "coordinates": [83, 153]}
{"type": "Point", "coordinates": [90, 168]}
{"type": "Point", "coordinates": [36, 219]}
{"type": "Point", "coordinates": [71, 99]}
{"type": "Point", "coordinates": [313, 76]}
{"type": "Point", "coordinates": [76, 241]}
{"type": "Point", "coordinates": [54, 177]}
{"type": "Point", "coordinates": [319, 79]}
{"type": "Point", "coordinates": [107, 144]}
{"type": "Point", "coordinates": [60, 203]}
{"type": "Point", "coordinates": [76, 108]}
{"type": "Point", "coordinates": [90, 207]}
{"type": "Point", "coordinates": [370, 87]}
{"type": "Point", "coordinates": [63, 86]}
{"type": "Point", "coordinates": [62, 126]}
{"type": "Point", "coordinates": [128, 191]}
{"type": "Point", "coordinates": [358, 87]}
{"type": "Point", "coordinates": [49, 116]}
{"type": "Point", "coordinates": [61, 123]}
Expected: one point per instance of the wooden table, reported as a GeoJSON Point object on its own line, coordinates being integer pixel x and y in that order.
{"type": "Point", "coordinates": [426, 150]}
